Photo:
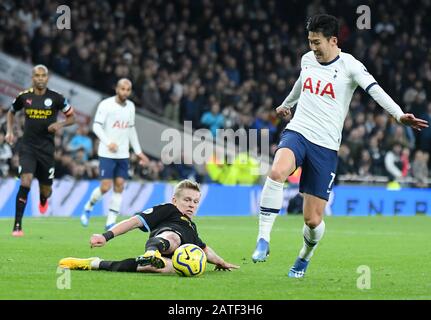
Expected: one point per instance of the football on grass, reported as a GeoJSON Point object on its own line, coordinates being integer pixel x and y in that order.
{"type": "Point", "coordinates": [189, 260]}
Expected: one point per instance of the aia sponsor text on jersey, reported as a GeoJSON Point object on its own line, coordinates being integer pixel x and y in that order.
{"type": "Point", "coordinates": [121, 124]}
{"type": "Point", "coordinates": [315, 87]}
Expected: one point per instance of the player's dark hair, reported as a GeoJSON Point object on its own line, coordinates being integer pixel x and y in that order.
{"type": "Point", "coordinates": [326, 24]}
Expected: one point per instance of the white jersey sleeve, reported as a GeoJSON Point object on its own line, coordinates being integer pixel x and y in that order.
{"type": "Point", "coordinates": [360, 74]}
{"type": "Point", "coordinates": [367, 82]}
{"type": "Point", "coordinates": [383, 99]}
{"type": "Point", "coordinates": [293, 96]}
{"type": "Point", "coordinates": [133, 135]}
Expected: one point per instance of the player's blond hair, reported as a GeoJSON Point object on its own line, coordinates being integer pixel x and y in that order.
{"type": "Point", "coordinates": [186, 184]}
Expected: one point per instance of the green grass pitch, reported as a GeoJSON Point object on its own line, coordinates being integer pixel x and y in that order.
{"type": "Point", "coordinates": [396, 249]}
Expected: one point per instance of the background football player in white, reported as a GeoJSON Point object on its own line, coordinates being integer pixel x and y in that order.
{"type": "Point", "coordinates": [114, 125]}
{"type": "Point", "coordinates": [311, 140]}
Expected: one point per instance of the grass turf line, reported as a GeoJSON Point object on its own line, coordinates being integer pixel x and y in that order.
{"type": "Point", "coordinates": [396, 249]}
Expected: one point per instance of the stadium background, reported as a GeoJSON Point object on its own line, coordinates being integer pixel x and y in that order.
{"type": "Point", "coordinates": [232, 61]}
{"type": "Point", "coordinates": [184, 57]}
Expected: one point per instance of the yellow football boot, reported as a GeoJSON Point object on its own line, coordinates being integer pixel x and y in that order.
{"type": "Point", "coordinates": [76, 263]}
{"type": "Point", "coordinates": [152, 257]}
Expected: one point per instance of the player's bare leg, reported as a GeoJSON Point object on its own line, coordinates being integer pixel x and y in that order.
{"type": "Point", "coordinates": [314, 228]}
{"type": "Point", "coordinates": [164, 243]}
{"type": "Point", "coordinates": [21, 202]}
{"type": "Point", "coordinates": [45, 193]}
{"type": "Point", "coordinates": [96, 195]}
{"type": "Point", "coordinates": [115, 203]}
{"type": "Point", "coordinates": [272, 199]}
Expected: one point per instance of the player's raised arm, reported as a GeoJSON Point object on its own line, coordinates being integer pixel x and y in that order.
{"type": "Point", "coordinates": [99, 240]}
{"type": "Point", "coordinates": [370, 85]}
{"type": "Point", "coordinates": [384, 100]}
{"type": "Point", "coordinates": [213, 258]}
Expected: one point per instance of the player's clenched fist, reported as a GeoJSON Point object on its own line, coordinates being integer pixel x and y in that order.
{"type": "Point", "coordinates": [283, 112]}
{"type": "Point", "coordinates": [97, 240]}
{"type": "Point", "coordinates": [10, 138]}
{"type": "Point", "coordinates": [113, 147]}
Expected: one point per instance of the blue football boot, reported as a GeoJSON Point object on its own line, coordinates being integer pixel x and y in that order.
{"type": "Point", "coordinates": [261, 252]}
{"type": "Point", "coordinates": [298, 269]}
{"type": "Point", "coordinates": [85, 218]}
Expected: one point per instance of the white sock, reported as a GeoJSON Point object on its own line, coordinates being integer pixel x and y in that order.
{"type": "Point", "coordinates": [271, 201]}
{"type": "Point", "coordinates": [311, 240]}
{"type": "Point", "coordinates": [114, 208]}
{"type": "Point", "coordinates": [95, 196]}
{"type": "Point", "coordinates": [95, 264]}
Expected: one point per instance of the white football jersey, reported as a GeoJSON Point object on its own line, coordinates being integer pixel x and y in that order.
{"type": "Point", "coordinates": [117, 122]}
{"type": "Point", "coordinates": [326, 90]}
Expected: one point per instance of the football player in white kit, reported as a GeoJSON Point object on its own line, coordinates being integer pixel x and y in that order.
{"type": "Point", "coordinates": [114, 125]}
{"type": "Point", "coordinates": [311, 139]}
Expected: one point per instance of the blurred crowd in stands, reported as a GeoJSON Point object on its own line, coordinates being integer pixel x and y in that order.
{"type": "Point", "coordinates": [228, 64]}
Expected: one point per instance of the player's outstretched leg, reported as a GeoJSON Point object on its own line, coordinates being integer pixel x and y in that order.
{"type": "Point", "coordinates": [95, 196]}
{"type": "Point", "coordinates": [80, 264]}
{"type": "Point", "coordinates": [270, 204]}
{"type": "Point", "coordinates": [311, 240]}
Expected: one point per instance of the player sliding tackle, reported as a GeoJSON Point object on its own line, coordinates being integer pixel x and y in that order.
{"type": "Point", "coordinates": [311, 140]}
{"type": "Point", "coordinates": [170, 226]}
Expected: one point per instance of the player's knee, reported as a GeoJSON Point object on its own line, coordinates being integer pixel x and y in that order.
{"type": "Point", "coordinates": [175, 243]}
{"type": "Point", "coordinates": [313, 222]}
{"type": "Point", "coordinates": [105, 186]}
{"type": "Point", "coordinates": [278, 174]}
{"type": "Point", "coordinates": [119, 187]}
